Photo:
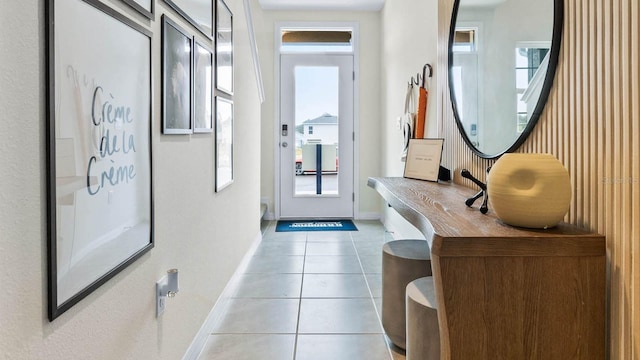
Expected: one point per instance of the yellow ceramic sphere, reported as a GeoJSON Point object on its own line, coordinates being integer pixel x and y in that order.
{"type": "Point", "coordinates": [529, 190]}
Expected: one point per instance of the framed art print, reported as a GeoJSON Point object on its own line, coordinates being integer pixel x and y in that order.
{"type": "Point", "coordinates": [224, 48]}
{"type": "Point", "coordinates": [224, 143]}
{"type": "Point", "coordinates": [100, 213]}
{"type": "Point", "coordinates": [144, 7]}
{"type": "Point", "coordinates": [176, 79]}
{"type": "Point", "coordinates": [423, 159]}
{"type": "Point", "coordinates": [197, 12]}
{"type": "Point", "coordinates": [202, 88]}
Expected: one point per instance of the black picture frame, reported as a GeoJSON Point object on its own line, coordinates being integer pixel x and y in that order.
{"type": "Point", "coordinates": [192, 11]}
{"type": "Point", "coordinates": [203, 74]}
{"type": "Point", "coordinates": [224, 48]}
{"type": "Point", "coordinates": [144, 7]}
{"type": "Point", "coordinates": [177, 89]}
{"type": "Point", "coordinates": [98, 134]}
{"type": "Point", "coordinates": [224, 143]}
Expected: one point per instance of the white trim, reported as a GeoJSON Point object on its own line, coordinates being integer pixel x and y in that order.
{"type": "Point", "coordinates": [369, 216]}
{"type": "Point", "coordinates": [254, 50]}
{"type": "Point", "coordinates": [355, 28]}
{"type": "Point", "coordinates": [270, 215]}
{"type": "Point", "coordinates": [356, 119]}
{"type": "Point", "coordinates": [276, 117]}
{"type": "Point", "coordinates": [200, 340]}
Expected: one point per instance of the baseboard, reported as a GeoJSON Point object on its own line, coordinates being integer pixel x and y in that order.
{"type": "Point", "coordinates": [369, 216]}
{"type": "Point", "coordinates": [269, 216]}
{"type": "Point", "coordinates": [200, 340]}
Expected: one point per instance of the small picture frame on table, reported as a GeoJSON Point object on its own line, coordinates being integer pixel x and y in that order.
{"type": "Point", "coordinates": [177, 66]}
{"type": "Point", "coordinates": [203, 106]}
{"type": "Point", "coordinates": [423, 159]}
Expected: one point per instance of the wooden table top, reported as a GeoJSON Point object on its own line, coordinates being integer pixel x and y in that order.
{"type": "Point", "coordinates": [438, 210]}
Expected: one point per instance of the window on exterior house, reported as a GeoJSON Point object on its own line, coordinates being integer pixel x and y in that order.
{"type": "Point", "coordinates": [310, 130]}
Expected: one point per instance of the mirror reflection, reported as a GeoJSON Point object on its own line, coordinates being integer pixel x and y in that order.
{"type": "Point", "coordinates": [499, 57]}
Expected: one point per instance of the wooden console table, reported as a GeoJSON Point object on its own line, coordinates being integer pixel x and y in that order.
{"type": "Point", "coordinates": [505, 292]}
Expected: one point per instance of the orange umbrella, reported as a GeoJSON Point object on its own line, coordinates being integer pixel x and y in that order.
{"type": "Point", "coordinates": [422, 103]}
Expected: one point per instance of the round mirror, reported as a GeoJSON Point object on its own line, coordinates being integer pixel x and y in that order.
{"type": "Point", "coordinates": [502, 61]}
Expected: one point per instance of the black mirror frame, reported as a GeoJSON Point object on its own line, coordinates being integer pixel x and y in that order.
{"type": "Point", "coordinates": [556, 40]}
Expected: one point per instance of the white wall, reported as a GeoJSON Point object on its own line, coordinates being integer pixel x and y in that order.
{"type": "Point", "coordinates": [368, 103]}
{"type": "Point", "coordinates": [196, 230]}
{"type": "Point", "coordinates": [409, 40]}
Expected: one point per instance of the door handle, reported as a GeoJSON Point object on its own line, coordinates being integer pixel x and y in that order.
{"type": "Point", "coordinates": [284, 144]}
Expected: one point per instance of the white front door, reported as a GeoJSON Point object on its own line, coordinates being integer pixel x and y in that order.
{"type": "Point", "coordinates": [316, 136]}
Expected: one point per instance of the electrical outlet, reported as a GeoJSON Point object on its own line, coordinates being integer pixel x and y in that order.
{"type": "Point", "coordinates": [161, 301]}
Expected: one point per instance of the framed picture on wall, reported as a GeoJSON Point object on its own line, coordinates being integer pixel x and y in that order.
{"type": "Point", "coordinates": [203, 106]}
{"type": "Point", "coordinates": [99, 108]}
{"type": "Point", "coordinates": [144, 7]}
{"type": "Point", "coordinates": [224, 143]}
{"type": "Point", "coordinates": [197, 12]}
{"type": "Point", "coordinates": [224, 48]}
{"type": "Point", "coordinates": [176, 79]}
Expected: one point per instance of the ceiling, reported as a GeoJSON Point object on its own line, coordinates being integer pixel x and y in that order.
{"type": "Point", "coordinates": [363, 5]}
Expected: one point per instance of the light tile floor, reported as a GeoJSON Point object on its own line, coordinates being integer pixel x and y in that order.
{"type": "Point", "coordinates": [308, 296]}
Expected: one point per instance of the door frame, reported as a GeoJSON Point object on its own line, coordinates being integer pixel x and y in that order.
{"type": "Point", "coordinates": [353, 26]}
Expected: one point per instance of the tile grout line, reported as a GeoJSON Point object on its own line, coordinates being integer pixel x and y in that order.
{"type": "Point", "coordinates": [371, 297]}
{"type": "Point", "coordinates": [304, 263]}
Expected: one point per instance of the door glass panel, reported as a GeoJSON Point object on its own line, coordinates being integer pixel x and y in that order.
{"type": "Point", "coordinates": [316, 130]}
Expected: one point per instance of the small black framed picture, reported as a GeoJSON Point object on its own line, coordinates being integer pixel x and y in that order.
{"type": "Point", "coordinates": [224, 143]}
{"type": "Point", "coordinates": [176, 78]}
{"type": "Point", "coordinates": [224, 48]}
{"type": "Point", "coordinates": [203, 106]}
{"type": "Point", "coordinates": [144, 7]}
{"type": "Point", "coordinates": [198, 13]}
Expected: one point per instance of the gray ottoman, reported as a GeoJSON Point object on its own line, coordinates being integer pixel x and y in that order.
{"type": "Point", "coordinates": [423, 335]}
{"type": "Point", "coordinates": [402, 262]}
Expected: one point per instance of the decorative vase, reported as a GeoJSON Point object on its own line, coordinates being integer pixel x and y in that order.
{"type": "Point", "coordinates": [529, 190]}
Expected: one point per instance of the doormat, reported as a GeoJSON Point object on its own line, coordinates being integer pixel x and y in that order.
{"type": "Point", "coordinates": [315, 225]}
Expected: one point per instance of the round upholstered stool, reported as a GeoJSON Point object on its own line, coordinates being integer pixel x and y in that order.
{"type": "Point", "coordinates": [423, 336]}
{"type": "Point", "coordinates": [402, 262]}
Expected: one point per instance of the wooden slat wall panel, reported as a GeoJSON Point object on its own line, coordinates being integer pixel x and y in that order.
{"type": "Point", "coordinates": [592, 124]}
{"type": "Point", "coordinates": [635, 158]}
